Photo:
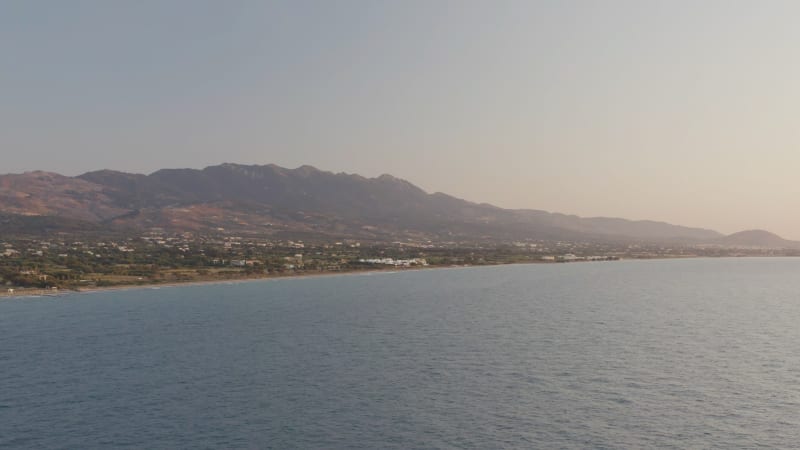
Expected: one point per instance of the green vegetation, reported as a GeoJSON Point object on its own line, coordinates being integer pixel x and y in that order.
{"type": "Point", "coordinates": [77, 262]}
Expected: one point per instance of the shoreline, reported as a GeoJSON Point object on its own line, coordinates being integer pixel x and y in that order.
{"type": "Point", "coordinates": [155, 286]}
{"type": "Point", "coordinates": [33, 293]}
{"type": "Point", "coordinates": [37, 293]}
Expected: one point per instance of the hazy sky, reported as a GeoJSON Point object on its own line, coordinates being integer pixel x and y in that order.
{"type": "Point", "coordinates": [680, 111]}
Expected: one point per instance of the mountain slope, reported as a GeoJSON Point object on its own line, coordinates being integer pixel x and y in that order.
{"type": "Point", "coordinates": [271, 199]}
{"type": "Point", "coordinates": [639, 229]}
{"type": "Point", "coordinates": [51, 194]}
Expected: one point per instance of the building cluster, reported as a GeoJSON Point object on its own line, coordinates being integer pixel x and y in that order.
{"type": "Point", "coordinates": [157, 256]}
{"type": "Point", "coordinates": [395, 262]}
{"type": "Point", "coordinates": [569, 257]}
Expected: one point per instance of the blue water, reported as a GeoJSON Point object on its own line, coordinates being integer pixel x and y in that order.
{"type": "Point", "coordinates": [674, 354]}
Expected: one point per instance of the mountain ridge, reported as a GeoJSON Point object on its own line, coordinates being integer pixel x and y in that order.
{"type": "Point", "coordinates": [271, 199]}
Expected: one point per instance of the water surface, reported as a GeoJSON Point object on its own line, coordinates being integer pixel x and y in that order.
{"type": "Point", "coordinates": [672, 353]}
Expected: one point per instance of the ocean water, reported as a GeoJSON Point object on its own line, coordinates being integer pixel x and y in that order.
{"type": "Point", "coordinates": [701, 353]}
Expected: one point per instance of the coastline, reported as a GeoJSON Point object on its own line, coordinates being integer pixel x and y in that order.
{"type": "Point", "coordinates": [35, 293]}
{"type": "Point", "coordinates": [154, 286]}
{"type": "Point", "coordinates": [38, 293]}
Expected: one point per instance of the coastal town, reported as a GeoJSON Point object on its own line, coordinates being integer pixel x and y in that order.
{"type": "Point", "coordinates": [155, 257]}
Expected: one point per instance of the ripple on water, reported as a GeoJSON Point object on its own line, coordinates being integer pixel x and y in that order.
{"type": "Point", "coordinates": [680, 353]}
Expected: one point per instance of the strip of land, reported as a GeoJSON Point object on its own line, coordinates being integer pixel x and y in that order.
{"type": "Point", "coordinates": [54, 291]}
{"type": "Point", "coordinates": [46, 266]}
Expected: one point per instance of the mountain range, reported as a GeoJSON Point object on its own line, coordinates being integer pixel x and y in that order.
{"type": "Point", "coordinates": [305, 201]}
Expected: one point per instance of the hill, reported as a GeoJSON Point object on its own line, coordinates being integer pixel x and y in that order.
{"type": "Point", "coordinates": [756, 239]}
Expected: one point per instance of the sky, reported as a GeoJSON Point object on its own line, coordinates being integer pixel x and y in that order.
{"type": "Point", "coordinates": [685, 112]}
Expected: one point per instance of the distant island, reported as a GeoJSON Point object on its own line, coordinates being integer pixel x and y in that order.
{"type": "Point", "coordinates": [233, 221]}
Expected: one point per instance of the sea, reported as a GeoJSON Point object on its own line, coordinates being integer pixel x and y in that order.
{"type": "Point", "coordinates": [685, 353]}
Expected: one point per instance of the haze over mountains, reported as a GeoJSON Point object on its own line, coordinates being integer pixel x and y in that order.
{"type": "Point", "coordinates": [305, 202]}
